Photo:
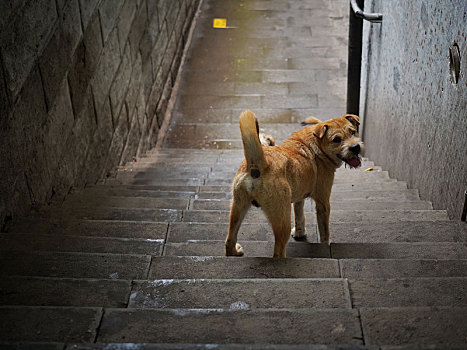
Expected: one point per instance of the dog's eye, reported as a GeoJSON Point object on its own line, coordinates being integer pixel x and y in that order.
{"type": "Point", "coordinates": [337, 140]}
{"type": "Point", "coordinates": [352, 132]}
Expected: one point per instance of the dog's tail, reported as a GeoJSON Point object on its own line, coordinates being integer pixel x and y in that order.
{"type": "Point", "coordinates": [252, 147]}
{"type": "Point", "coordinates": [310, 121]}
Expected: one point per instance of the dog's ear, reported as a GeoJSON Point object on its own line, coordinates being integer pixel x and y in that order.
{"type": "Point", "coordinates": [355, 120]}
{"type": "Point", "coordinates": [310, 121]}
{"type": "Point", "coordinates": [320, 131]}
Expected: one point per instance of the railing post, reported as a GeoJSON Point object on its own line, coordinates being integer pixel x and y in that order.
{"type": "Point", "coordinates": [354, 61]}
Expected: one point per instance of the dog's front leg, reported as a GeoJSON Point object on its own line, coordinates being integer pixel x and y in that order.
{"type": "Point", "coordinates": [298, 232]}
{"type": "Point", "coordinates": [323, 210]}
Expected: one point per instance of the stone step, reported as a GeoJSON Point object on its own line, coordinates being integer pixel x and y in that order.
{"type": "Point", "coordinates": [416, 250]}
{"type": "Point", "coordinates": [240, 294]}
{"type": "Point", "coordinates": [385, 186]}
{"type": "Point", "coordinates": [341, 204]}
{"type": "Point", "coordinates": [92, 201]}
{"type": "Point", "coordinates": [426, 250]}
{"type": "Point", "coordinates": [391, 195]}
{"type": "Point", "coordinates": [47, 291]}
{"type": "Point", "coordinates": [190, 267]}
{"type": "Point", "coordinates": [74, 265]}
{"type": "Point", "coordinates": [51, 243]}
{"type": "Point", "coordinates": [402, 268]}
{"type": "Point", "coordinates": [254, 215]}
{"type": "Point", "coordinates": [227, 175]}
{"type": "Point", "coordinates": [409, 292]}
{"type": "Point", "coordinates": [422, 325]}
{"type": "Point", "coordinates": [49, 324]}
{"type": "Point", "coordinates": [98, 228]}
{"type": "Point", "coordinates": [410, 231]}
{"type": "Point", "coordinates": [231, 326]}
{"type": "Point", "coordinates": [121, 214]}
{"type": "Point", "coordinates": [185, 346]}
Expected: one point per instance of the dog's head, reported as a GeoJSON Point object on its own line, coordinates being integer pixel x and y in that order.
{"type": "Point", "coordinates": [338, 139]}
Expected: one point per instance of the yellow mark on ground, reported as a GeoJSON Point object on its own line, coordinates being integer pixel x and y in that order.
{"type": "Point", "coordinates": [369, 169]}
{"type": "Point", "coordinates": [219, 23]}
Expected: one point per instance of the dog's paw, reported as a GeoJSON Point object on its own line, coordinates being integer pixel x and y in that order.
{"type": "Point", "coordinates": [298, 237]}
{"type": "Point", "coordinates": [327, 242]}
{"type": "Point", "coordinates": [237, 251]}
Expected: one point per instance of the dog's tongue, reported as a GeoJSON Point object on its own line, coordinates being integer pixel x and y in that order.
{"type": "Point", "coordinates": [354, 162]}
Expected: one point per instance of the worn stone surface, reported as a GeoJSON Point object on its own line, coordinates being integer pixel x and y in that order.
{"type": "Point", "coordinates": [244, 294]}
{"type": "Point", "coordinates": [445, 251]}
{"type": "Point", "coordinates": [74, 265]}
{"type": "Point", "coordinates": [55, 60]}
{"type": "Point", "coordinates": [405, 292]}
{"type": "Point", "coordinates": [81, 244]}
{"type": "Point", "coordinates": [29, 323]}
{"type": "Point", "coordinates": [394, 268]}
{"type": "Point", "coordinates": [208, 326]}
{"type": "Point", "coordinates": [414, 325]}
{"type": "Point", "coordinates": [24, 36]}
{"type": "Point", "coordinates": [246, 267]}
{"type": "Point", "coordinates": [42, 291]}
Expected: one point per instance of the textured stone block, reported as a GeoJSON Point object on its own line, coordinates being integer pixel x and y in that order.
{"type": "Point", "coordinates": [158, 51]}
{"type": "Point", "coordinates": [42, 291]}
{"type": "Point", "coordinates": [88, 10]}
{"type": "Point", "coordinates": [131, 146]}
{"type": "Point", "coordinates": [105, 71]}
{"type": "Point", "coordinates": [108, 13]}
{"type": "Point", "coordinates": [29, 323]}
{"type": "Point", "coordinates": [245, 267]}
{"type": "Point", "coordinates": [84, 63]}
{"type": "Point", "coordinates": [134, 85]}
{"type": "Point", "coordinates": [125, 19]}
{"type": "Point", "coordinates": [244, 326]}
{"type": "Point", "coordinates": [24, 38]}
{"type": "Point", "coordinates": [118, 139]}
{"type": "Point", "coordinates": [150, 36]}
{"type": "Point", "coordinates": [394, 268]}
{"type": "Point", "coordinates": [240, 294]}
{"type": "Point", "coordinates": [411, 325]}
{"type": "Point", "coordinates": [74, 265]}
{"type": "Point", "coordinates": [409, 292]}
{"type": "Point", "coordinates": [137, 29]}
{"type": "Point", "coordinates": [56, 58]}
{"type": "Point", "coordinates": [121, 81]}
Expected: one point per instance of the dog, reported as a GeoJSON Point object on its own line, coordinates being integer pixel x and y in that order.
{"type": "Point", "coordinates": [301, 167]}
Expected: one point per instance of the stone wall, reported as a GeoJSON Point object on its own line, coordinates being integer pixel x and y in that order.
{"type": "Point", "coordinates": [415, 115]}
{"type": "Point", "coordinates": [84, 85]}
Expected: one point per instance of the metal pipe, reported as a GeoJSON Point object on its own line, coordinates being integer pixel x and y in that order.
{"type": "Point", "coordinates": [354, 62]}
{"type": "Point", "coordinates": [372, 17]}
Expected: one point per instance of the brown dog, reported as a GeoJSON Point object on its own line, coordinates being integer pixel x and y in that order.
{"type": "Point", "coordinates": [303, 166]}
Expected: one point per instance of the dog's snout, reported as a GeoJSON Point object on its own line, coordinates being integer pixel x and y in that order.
{"type": "Point", "coordinates": [355, 149]}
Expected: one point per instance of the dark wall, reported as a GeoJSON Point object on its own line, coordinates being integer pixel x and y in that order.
{"type": "Point", "coordinates": [84, 86]}
{"type": "Point", "coordinates": [415, 115]}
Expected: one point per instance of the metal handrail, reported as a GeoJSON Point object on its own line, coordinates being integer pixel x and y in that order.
{"type": "Point", "coordinates": [372, 17]}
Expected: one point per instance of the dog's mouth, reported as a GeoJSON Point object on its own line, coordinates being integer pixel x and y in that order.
{"type": "Point", "coordinates": [353, 161]}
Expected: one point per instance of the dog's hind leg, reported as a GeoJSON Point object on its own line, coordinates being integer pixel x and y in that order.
{"type": "Point", "coordinates": [279, 217]}
{"type": "Point", "coordinates": [298, 232]}
{"type": "Point", "coordinates": [238, 211]}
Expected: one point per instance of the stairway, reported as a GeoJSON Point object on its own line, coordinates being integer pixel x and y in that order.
{"type": "Point", "coordinates": [137, 262]}
{"type": "Point", "coordinates": [140, 260]}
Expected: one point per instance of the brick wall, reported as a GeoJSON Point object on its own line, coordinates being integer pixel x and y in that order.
{"type": "Point", "coordinates": [84, 86]}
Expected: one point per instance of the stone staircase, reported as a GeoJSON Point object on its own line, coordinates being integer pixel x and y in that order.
{"type": "Point", "coordinates": [139, 259]}
{"type": "Point", "coordinates": [137, 262]}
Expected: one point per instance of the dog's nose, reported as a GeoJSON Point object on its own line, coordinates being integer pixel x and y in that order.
{"type": "Point", "coordinates": [355, 149]}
